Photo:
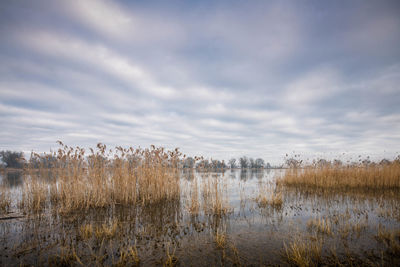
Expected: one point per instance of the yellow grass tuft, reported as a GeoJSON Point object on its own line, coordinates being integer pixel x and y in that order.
{"type": "Point", "coordinates": [302, 253]}
{"type": "Point", "coordinates": [106, 231]}
{"type": "Point", "coordinates": [320, 225]}
{"type": "Point", "coordinates": [220, 240]}
{"type": "Point", "coordinates": [268, 197]}
{"type": "Point", "coordinates": [129, 257]}
{"type": "Point", "coordinates": [86, 231]}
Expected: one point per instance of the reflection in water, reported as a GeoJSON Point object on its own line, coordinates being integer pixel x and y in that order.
{"type": "Point", "coordinates": [226, 207]}
{"type": "Point", "coordinates": [11, 178]}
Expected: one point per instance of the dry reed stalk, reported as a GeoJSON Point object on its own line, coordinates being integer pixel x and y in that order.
{"type": "Point", "coordinates": [391, 239]}
{"type": "Point", "coordinates": [371, 176]}
{"type": "Point", "coordinates": [268, 197]}
{"type": "Point", "coordinates": [320, 225]}
{"type": "Point", "coordinates": [129, 257]}
{"type": "Point", "coordinates": [86, 231]}
{"type": "Point", "coordinates": [302, 253]}
{"type": "Point", "coordinates": [220, 240]}
{"type": "Point", "coordinates": [5, 199]}
{"type": "Point", "coordinates": [194, 207]}
{"type": "Point", "coordinates": [106, 231]}
{"type": "Point", "coordinates": [171, 259]}
{"type": "Point", "coordinates": [99, 180]}
{"type": "Point", "coordinates": [215, 196]}
{"type": "Point", "coordinates": [34, 194]}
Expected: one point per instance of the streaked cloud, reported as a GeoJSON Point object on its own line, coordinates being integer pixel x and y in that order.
{"type": "Point", "coordinates": [213, 78]}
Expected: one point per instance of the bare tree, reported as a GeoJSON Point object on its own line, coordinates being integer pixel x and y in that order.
{"type": "Point", "coordinates": [232, 163]}
{"type": "Point", "coordinates": [244, 162]}
{"type": "Point", "coordinates": [12, 159]}
{"type": "Point", "coordinates": [259, 163]}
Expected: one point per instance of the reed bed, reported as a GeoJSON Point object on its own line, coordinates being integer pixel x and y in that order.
{"type": "Point", "coordinates": [101, 179]}
{"type": "Point", "coordinates": [5, 199]}
{"type": "Point", "coordinates": [333, 176]}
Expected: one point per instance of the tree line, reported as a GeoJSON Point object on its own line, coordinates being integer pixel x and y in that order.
{"type": "Point", "coordinates": [16, 160]}
{"type": "Point", "coordinates": [242, 162]}
{"type": "Point", "coordinates": [12, 159]}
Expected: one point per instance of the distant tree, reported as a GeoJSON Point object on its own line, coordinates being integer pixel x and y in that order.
{"type": "Point", "coordinates": [384, 162]}
{"type": "Point", "coordinates": [232, 163]}
{"type": "Point", "coordinates": [268, 165]}
{"type": "Point", "coordinates": [259, 163]}
{"type": "Point", "coordinates": [189, 163]}
{"type": "Point", "coordinates": [293, 163]}
{"type": "Point", "coordinates": [252, 163]}
{"type": "Point", "coordinates": [203, 164]}
{"type": "Point", "coordinates": [244, 162]}
{"type": "Point", "coordinates": [12, 159]}
{"type": "Point", "coordinates": [44, 161]}
{"type": "Point", "coordinates": [337, 162]}
{"type": "Point", "coordinates": [322, 163]}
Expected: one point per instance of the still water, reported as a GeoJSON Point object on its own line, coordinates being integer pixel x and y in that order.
{"type": "Point", "coordinates": [252, 234]}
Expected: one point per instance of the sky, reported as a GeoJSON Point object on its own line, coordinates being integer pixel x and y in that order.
{"type": "Point", "coordinates": [220, 79]}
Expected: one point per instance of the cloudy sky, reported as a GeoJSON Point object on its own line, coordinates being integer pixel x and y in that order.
{"type": "Point", "coordinates": [215, 78]}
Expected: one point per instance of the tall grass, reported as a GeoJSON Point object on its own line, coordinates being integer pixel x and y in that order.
{"type": "Point", "coordinates": [334, 176]}
{"type": "Point", "coordinates": [5, 199]}
{"type": "Point", "coordinates": [103, 178]}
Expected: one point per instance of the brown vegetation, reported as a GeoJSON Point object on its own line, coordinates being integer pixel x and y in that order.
{"type": "Point", "coordinates": [5, 199]}
{"type": "Point", "coordinates": [336, 176]}
{"type": "Point", "coordinates": [101, 179]}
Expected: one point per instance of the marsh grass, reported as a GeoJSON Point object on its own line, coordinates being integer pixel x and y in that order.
{"type": "Point", "coordinates": [5, 199]}
{"type": "Point", "coordinates": [86, 231]}
{"type": "Point", "coordinates": [171, 259]}
{"type": "Point", "coordinates": [128, 257]}
{"type": "Point", "coordinates": [107, 231]}
{"type": "Point", "coordinates": [333, 176]}
{"type": "Point", "coordinates": [320, 225]}
{"type": "Point", "coordinates": [267, 196]}
{"type": "Point", "coordinates": [220, 240]}
{"type": "Point", "coordinates": [303, 253]}
{"type": "Point", "coordinates": [391, 239]}
{"type": "Point", "coordinates": [102, 179]}
{"type": "Point", "coordinates": [34, 194]}
{"type": "Point", "coordinates": [194, 206]}
{"type": "Point", "coordinates": [215, 196]}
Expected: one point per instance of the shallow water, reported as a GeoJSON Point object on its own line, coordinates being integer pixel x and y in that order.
{"type": "Point", "coordinates": [254, 235]}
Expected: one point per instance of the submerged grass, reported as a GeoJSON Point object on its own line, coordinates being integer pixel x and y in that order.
{"type": "Point", "coordinates": [269, 198]}
{"type": "Point", "coordinates": [302, 253]}
{"type": "Point", "coordinates": [320, 225]}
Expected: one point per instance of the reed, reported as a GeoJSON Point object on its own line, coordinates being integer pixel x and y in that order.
{"type": "Point", "coordinates": [86, 231]}
{"type": "Point", "coordinates": [34, 194]}
{"type": "Point", "coordinates": [303, 254]}
{"type": "Point", "coordinates": [194, 206]}
{"type": "Point", "coordinates": [102, 178]}
{"type": "Point", "coordinates": [333, 176]}
{"type": "Point", "coordinates": [129, 257]}
{"type": "Point", "coordinates": [220, 240]}
{"type": "Point", "coordinates": [215, 196]}
{"type": "Point", "coordinates": [5, 199]}
{"type": "Point", "coordinates": [106, 231]}
{"type": "Point", "coordinates": [320, 225]}
{"type": "Point", "coordinates": [269, 197]}
{"type": "Point", "coordinates": [391, 239]}
{"type": "Point", "coordinates": [171, 259]}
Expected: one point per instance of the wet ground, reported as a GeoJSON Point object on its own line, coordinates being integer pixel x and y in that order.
{"type": "Point", "coordinates": [348, 227]}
